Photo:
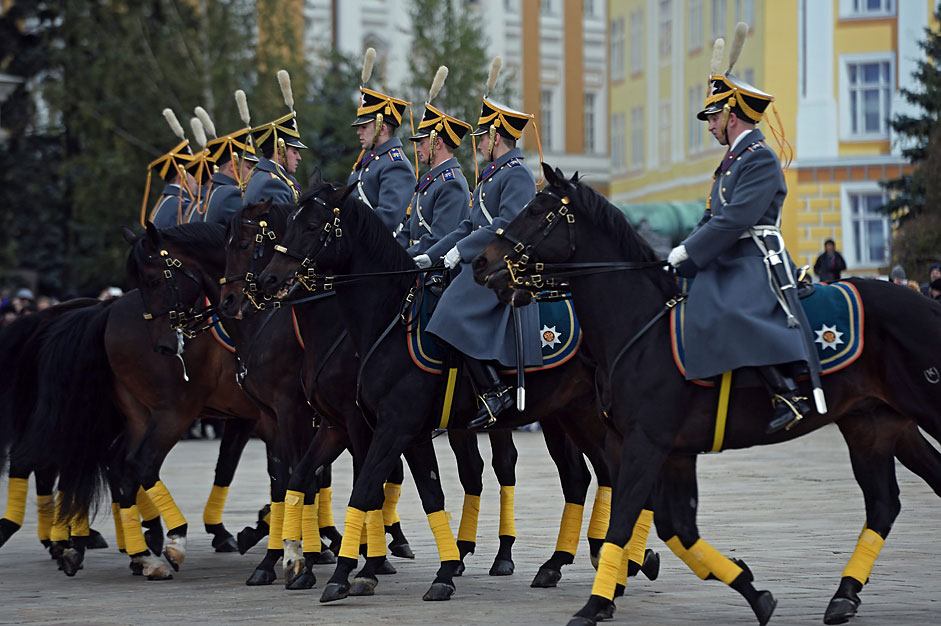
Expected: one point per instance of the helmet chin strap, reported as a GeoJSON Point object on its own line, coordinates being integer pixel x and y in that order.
{"type": "Point", "coordinates": [492, 133]}
{"type": "Point", "coordinates": [375, 137]}
{"type": "Point", "coordinates": [724, 128]}
{"type": "Point", "coordinates": [432, 138]}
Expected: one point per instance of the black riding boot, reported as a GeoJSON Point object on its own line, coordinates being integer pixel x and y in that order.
{"type": "Point", "coordinates": [789, 406]}
{"type": "Point", "coordinates": [494, 395]}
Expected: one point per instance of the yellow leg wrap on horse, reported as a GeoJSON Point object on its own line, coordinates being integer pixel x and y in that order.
{"type": "Point", "coordinates": [133, 535]}
{"type": "Point", "coordinates": [692, 563]}
{"type": "Point", "coordinates": [148, 510]}
{"type": "Point", "coordinates": [118, 526]}
{"type": "Point", "coordinates": [600, 514]}
{"type": "Point", "coordinates": [212, 514]}
{"type": "Point", "coordinates": [161, 497]}
{"type": "Point", "coordinates": [60, 527]}
{"type": "Point", "coordinates": [392, 493]}
{"type": "Point", "coordinates": [45, 512]}
{"type": "Point", "coordinates": [325, 512]}
{"type": "Point", "coordinates": [276, 526]}
{"type": "Point", "coordinates": [349, 547]}
{"type": "Point", "coordinates": [293, 514]}
{"type": "Point", "coordinates": [638, 543]}
{"type": "Point", "coordinates": [80, 526]}
{"type": "Point", "coordinates": [570, 528]}
{"type": "Point", "coordinates": [507, 520]}
{"type": "Point", "coordinates": [375, 534]}
{"type": "Point", "coordinates": [467, 531]}
{"type": "Point", "coordinates": [622, 569]}
{"type": "Point", "coordinates": [864, 556]}
{"type": "Point", "coordinates": [447, 546]}
{"type": "Point", "coordinates": [608, 567]}
{"type": "Point", "coordinates": [720, 566]}
{"type": "Point", "coordinates": [16, 500]}
{"type": "Point", "coordinates": [310, 529]}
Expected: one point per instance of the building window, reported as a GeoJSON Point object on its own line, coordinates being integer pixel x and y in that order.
{"type": "Point", "coordinates": [590, 99]}
{"type": "Point", "coordinates": [637, 42]}
{"type": "Point", "coordinates": [637, 138]}
{"type": "Point", "coordinates": [618, 147]}
{"type": "Point", "coordinates": [617, 48]}
{"type": "Point", "coordinates": [546, 119]}
{"type": "Point", "coordinates": [745, 12]}
{"type": "Point", "coordinates": [869, 230]}
{"type": "Point", "coordinates": [588, 8]}
{"type": "Point", "coordinates": [718, 19]}
{"type": "Point", "coordinates": [695, 25]}
{"type": "Point", "coordinates": [867, 8]}
{"type": "Point", "coordinates": [866, 89]}
{"type": "Point", "coordinates": [693, 125]}
{"type": "Point", "coordinates": [664, 132]}
{"type": "Point", "coordinates": [666, 29]}
{"type": "Point", "coordinates": [546, 6]}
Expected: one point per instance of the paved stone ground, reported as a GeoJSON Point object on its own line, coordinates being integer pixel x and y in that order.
{"type": "Point", "coordinates": [793, 511]}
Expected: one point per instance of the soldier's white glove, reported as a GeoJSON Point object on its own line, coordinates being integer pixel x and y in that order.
{"type": "Point", "coordinates": [423, 261]}
{"type": "Point", "coordinates": [452, 258]}
{"type": "Point", "coordinates": [677, 255]}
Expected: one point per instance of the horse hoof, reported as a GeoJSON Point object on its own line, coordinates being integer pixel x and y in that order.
{"type": "Point", "coordinates": [137, 569]}
{"type": "Point", "coordinates": [840, 611]}
{"type": "Point", "coordinates": [764, 607]}
{"type": "Point", "coordinates": [248, 537]}
{"type": "Point", "coordinates": [7, 528]}
{"type": "Point", "coordinates": [401, 550]}
{"type": "Point", "coordinates": [154, 540]}
{"type": "Point", "coordinates": [546, 578]}
{"type": "Point", "coordinates": [607, 612]}
{"type": "Point", "coordinates": [325, 557]}
{"type": "Point", "coordinates": [363, 587]}
{"type": "Point", "coordinates": [174, 557]}
{"type": "Point", "coordinates": [292, 570]}
{"type": "Point", "coordinates": [385, 568]}
{"type": "Point", "coordinates": [306, 580]}
{"type": "Point", "coordinates": [71, 562]}
{"type": "Point", "coordinates": [56, 550]}
{"type": "Point", "coordinates": [335, 591]}
{"type": "Point", "coordinates": [459, 570]}
{"type": "Point", "coordinates": [438, 592]}
{"type": "Point", "coordinates": [651, 566]}
{"type": "Point", "coordinates": [227, 544]}
{"type": "Point", "coordinates": [261, 577]}
{"type": "Point", "coordinates": [95, 541]}
{"type": "Point", "coordinates": [501, 567]}
{"type": "Point", "coordinates": [582, 621]}
{"type": "Point", "coordinates": [156, 570]}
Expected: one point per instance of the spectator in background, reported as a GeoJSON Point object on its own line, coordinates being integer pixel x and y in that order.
{"type": "Point", "coordinates": [23, 301]}
{"type": "Point", "coordinates": [933, 274]}
{"type": "Point", "coordinates": [934, 290]}
{"type": "Point", "coordinates": [899, 278]}
{"type": "Point", "coordinates": [44, 302]}
{"type": "Point", "coordinates": [830, 264]}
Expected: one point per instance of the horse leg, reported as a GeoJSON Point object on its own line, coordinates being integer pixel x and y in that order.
{"type": "Point", "coordinates": [873, 462]}
{"type": "Point", "coordinates": [503, 459]}
{"type": "Point", "coordinates": [235, 436]}
{"type": "Point", "coordinates": [264, 573]}
{"type": "Point", "coordinates": [470, 468]}
{"type": "Point", "coordinates": [575, 478]}
{"type": "Point", "coordinates": [150, 519]}
{"type": "Point", "coordinates": [392, 490]}
{"type": "Point", "coordinates": [328, 527]}
{"type": "Point", "coordinates": [918, 455]}
{"type": "Point", "coordinates": [73, 556]}
{"type": "Point", "coordinates": [15, 512]}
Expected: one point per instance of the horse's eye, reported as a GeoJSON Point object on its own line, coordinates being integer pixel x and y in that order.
{"type": "Point", "coordinates": [243, 245]}
{"type": "Point", "coordinates": [154, 282]}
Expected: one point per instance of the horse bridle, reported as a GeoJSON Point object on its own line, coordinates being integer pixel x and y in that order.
{"type": "Point", "coordinates": [182, 319]}
{"type": "Point", "coordinates": [306, 273]}
{"type": "Point", "coordinates": [250, 289]}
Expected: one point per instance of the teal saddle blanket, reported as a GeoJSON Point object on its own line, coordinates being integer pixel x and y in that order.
{"type": "Point", "coordinates": [559, 334]}
{"type": "Point", "coordinates": [835, 313]}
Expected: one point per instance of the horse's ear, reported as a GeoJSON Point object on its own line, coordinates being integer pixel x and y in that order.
{"type": "Point", "coordinates": [549, 174]}
{"type": "Point", "coordinates": [129, 236]}
{"type": "Point", "coordinates": [152, 235]}
{"type": "Point", "coordinates": [345, 192]}
{"type": "Point", "coordinates": [574, 180]}
{"type": "Point", "coordinates": [316, 179]}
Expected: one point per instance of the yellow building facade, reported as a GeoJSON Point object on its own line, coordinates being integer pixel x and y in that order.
{"type": "Point", "coordinates": [835, 68]}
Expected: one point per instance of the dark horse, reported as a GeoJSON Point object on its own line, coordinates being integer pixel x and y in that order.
{"type": "Point", "coordinates": [877, 402]}
{"type": "Point", "coordinates": [340, 234]}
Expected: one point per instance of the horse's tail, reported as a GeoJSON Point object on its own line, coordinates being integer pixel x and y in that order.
{"type": "Point", "coordinates": [906, 327]}
{"type": "Point", "coordinates": [75, 419]}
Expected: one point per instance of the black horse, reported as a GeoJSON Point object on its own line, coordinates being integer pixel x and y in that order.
{"type": "Point", "coordinates": [878, 402]}
{"type": "Point", "coordinates": [342, 235]}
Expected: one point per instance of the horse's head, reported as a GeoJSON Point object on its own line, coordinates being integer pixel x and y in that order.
{"type": "Point", "coordinates": [312, 236]}
{"type": "Point", "coordinates": [543, 232]}
{"type": "Point", "coordinates": [250, 241]}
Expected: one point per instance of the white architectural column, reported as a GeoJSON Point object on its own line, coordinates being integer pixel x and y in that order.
{"type": "Point", "coordinates": [817, 121]}
{"type": "Point", "coordinates": [912, 20]}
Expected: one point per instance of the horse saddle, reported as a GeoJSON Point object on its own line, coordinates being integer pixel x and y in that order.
{"type": "Point", "coordinates": [835, 313]}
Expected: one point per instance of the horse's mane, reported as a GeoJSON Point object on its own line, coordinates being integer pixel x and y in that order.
{"type": "Point", "coordinates": [194, 236]}
{"type": "Point", "coordinates": [610, 219]}
{"type": "Point", "coordinates": [373, 234]}
{"type": "Point", "coordinates": [278, 214]}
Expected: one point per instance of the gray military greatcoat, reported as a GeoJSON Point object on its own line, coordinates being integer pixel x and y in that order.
{"type": "Point", "coordinates": [732, 317]}
{"type": "Point", "coordinates": [172, 208]}
{"type": "Point", "coordinates": [469, 316]}
{"type": "Point", "coordinates": [270, 181]}
{"type": "Point", "coordinates": [225, 199]}
{"type": "Point", "coordinates": [440, 203]}
{"type": "Point", "coordinates": [385, 181]}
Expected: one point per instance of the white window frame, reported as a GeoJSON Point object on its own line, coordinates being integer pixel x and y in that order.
{"type": "Point", "coordinates": [695, 96]}
{"type": "Point", "coordinates": [849, 251]}
{"type": "Point", "coordinates": [617, 49]}
{"type": "Point", "coordinates": [745, 12]}
{"type": "Point", "coordinates": [665, 31]}
{"type": "Point", "coordinates": [857, 9]}
{"type": "Point", "coordinates": [846, 132]}
{"type": "Point", "coordinates": [590, 104]}
{"type": "Point", "coordinates": [618, 144]}
{"type": "Point", "coordinates": [665, 132]}
{"type": "Point", "coordinates": [717, 18]}
{"type": "Point", "coordinates": [637, 138]}
{"type": "Point", "coordinates": [694, 37]}
{"type": "Point", "coordinates": [546, 107]}
{"type": "Point", "coordinates": [636, 34]}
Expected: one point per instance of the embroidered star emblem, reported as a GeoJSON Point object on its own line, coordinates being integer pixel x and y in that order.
{"type": "Point", "coordinates": [549, 336]}
{"type": "Point", "coordinates": [828, 337]}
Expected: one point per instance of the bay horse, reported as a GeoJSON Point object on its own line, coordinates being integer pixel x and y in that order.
{"type": "Point", "coordinates": [878, 402]}
{"type": "Point", "coordinates": [340, 234]}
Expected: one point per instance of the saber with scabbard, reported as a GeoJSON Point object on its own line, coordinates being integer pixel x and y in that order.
{"type": "Point", "coordinates": [520, 361]}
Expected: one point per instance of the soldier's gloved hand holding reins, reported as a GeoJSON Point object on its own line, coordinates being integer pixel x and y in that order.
{"type": "Point", "coordinates": [452, 258]}
{"type": "Point", "coordinates": [423, 261]}
{"type": "Point", "coordinates": [677, 255]}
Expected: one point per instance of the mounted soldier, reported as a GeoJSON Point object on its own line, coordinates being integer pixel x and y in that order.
{"type": "Point", "coordinates": [201, 170]}
{"type": "Point", "coordinates": [469, 317]}
{"type": "Point", "coordinates": [177, 194]}
{"type": "Point", "coordinates": [739, 313]}
{"type": "Point", "coordinates": [383, 176]}
{"type": "Point", "coordinates": [442, 198]}
{"type": "Point", "coordinates": [278, 148]}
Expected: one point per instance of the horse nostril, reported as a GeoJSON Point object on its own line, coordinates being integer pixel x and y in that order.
{"type": "Point", "coordinates": [480, 263]}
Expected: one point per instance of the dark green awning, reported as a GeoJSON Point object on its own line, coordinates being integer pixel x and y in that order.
{"type": "Point", "coordinates": [663, 224]}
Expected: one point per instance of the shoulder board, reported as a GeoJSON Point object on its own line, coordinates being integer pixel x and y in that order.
{"type": "Point", "coordinates": [758, 145]}
{"type": "Point", "coordinates": [513, 162]}
{"type": "Point", "coordinates": [396, 154]}
{"type": "Point", "coordinates": [448, 174]}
